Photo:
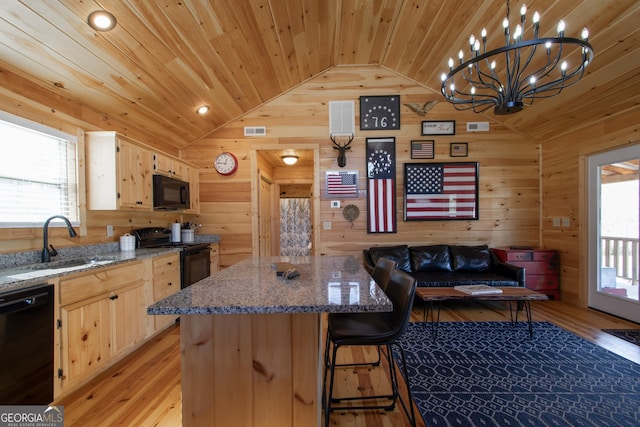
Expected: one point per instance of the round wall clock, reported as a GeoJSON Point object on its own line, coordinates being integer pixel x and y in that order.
{"type": "Point", "coordinates": [226, 163]}
{"type": "Point", "coordinates": [380, 112]}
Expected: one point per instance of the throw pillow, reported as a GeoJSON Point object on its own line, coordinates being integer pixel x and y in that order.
{"type": "Point", "coordinates": [471, 258]}
{"type": "Point", "coordinates": [430, 258]}
{"type": "Point", "coordinates": [399, 254]}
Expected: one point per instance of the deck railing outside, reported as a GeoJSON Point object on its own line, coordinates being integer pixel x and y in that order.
{"type": "Point", "coordinates": [621, 253]}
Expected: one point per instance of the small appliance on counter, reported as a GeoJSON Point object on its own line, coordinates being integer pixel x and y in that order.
{"type": "Point", "coordinates": [127, 243]}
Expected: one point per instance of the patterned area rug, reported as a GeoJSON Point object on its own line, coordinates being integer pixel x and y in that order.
{"type": "Point", "coordinates": [493, 374]}
{"type": "Point", "coordinates": [631, 335]}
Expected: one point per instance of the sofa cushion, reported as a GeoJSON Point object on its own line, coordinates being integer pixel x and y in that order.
{"type": "Point", "coordinates": [430, 258]}
{"type": "Point", "coordinates": [456, 278]}
{"type": "Point", "coordinates": [400, 254]}
{"type": "Point", "coordinates": [470, 258]}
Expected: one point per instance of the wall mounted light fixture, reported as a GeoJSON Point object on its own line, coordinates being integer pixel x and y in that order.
{"type": "Point", "coordinates": [101, 20]}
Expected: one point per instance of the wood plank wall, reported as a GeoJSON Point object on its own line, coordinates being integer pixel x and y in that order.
{"type": "Point", "coordinates": [23, 98]}
{"type": "Point", "coordinates": [509, 168]}
{"type": "Point", "coordinates": [563, 181]}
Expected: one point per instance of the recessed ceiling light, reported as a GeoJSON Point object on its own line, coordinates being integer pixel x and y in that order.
{"type": "Point", "coordinates": [101, 20]}
{"type": "Point", "coordinates": [203, 109]}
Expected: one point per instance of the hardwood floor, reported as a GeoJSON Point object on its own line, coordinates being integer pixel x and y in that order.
{"type": "Point", "coordinates": [144, 389]}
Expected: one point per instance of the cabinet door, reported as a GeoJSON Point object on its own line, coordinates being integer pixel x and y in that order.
{"type": "Point", "coordinates": [215, 258]}
{"type": "Point", "coordinates": [86, 341]}
{"type": "Point", "coordinates": [128, 317]}
{"type": "Point", "coordinates": [166, 281]}
{"type": "Point", "coordinates": [161, 164]}
{"type": "Point", "coordinates": [192, 175]}
{"type": "Point", "coordinates": [134, 176]}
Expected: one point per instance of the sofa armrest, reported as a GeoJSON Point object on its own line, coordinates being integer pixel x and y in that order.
{"type": "Point", "coordinates": [367, 263]}
{"type": "Point", "coordinates": [509, 270]}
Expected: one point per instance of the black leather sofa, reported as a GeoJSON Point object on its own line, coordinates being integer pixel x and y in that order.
{"type": "Point", "coordinates": [448, 265]}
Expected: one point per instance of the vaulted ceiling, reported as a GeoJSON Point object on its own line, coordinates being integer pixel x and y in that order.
{"type": "Point", "coordinates": [166, 57]}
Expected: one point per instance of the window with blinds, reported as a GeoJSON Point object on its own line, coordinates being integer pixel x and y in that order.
{"type": "Point", "coordinates": [38, 176]}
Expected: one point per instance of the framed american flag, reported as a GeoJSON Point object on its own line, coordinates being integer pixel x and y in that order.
{"type": "Point", "coordinates": [342, 183]}
{"type": "Point", "coordinates": [440, 191]}
{"type": "Point", "coordinates": [381, 185]}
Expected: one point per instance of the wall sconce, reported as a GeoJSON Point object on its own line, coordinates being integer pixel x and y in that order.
{"type": "Point", "coordinates": [203, 109]}
{"type": "Point", "coordinates": [101, 20]}
{"type": "Point", "coordinates": [290, 159]}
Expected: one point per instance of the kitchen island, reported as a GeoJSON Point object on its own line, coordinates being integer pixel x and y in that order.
{"type": "Point", "coordinates": [251, 340]}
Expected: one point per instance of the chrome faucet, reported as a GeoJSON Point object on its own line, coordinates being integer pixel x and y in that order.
{"type": "Point", "coordinates": [46, 252]}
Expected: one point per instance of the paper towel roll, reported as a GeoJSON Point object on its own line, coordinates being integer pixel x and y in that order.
{"type": "Point", "coordinates": [175, 232]}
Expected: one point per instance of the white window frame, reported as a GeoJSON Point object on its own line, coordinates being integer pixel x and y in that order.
{"type": "Point", "coordinates": [28, 124]}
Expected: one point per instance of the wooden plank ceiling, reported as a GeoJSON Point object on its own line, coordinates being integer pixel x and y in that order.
{"type": "Point", "coordinates": [166, 57]}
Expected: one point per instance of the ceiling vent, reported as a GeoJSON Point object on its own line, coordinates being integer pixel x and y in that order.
{"type": "Point", "coordinates": [477, 126]}
{"type": "Point", "coordinates": [341, 118]}
{"type": "Point", "coordinates": [255, 130]}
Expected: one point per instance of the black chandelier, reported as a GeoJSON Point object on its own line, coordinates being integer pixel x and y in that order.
{"type": "Point", "coordinates": [512, 76]}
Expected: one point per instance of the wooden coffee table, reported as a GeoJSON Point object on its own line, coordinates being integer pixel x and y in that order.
{"type": "Point", "coordinates": [510, 294]}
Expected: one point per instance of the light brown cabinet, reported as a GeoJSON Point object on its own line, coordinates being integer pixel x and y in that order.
{"type": "Point", "coordinates": [215, 258]}
{"type": "Point", "coordinates": [166, 281]}
{"type": "Point", "coordinates": [102, 314]}
{"type": "Point", "coordinates": [192, 175]}
{"type": "Point", "coordinates": [119, 173]}
{"type": "Point", "coordinates": [167, 165]}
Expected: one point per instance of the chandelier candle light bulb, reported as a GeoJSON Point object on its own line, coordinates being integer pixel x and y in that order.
{"type": "Point", "coordinates": [513, 76]}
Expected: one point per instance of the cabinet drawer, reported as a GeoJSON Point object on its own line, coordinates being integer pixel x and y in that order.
{"type": "Point", "coordinates": [87, 285]}
{"type": "Point", "coordinates": [519, 256]}
{"type": "Point", "coordinates": [540, 267]}
{"type": "Point", "coordinates": [545, 255]}
{"type": "Point", "coordinates": [166, 264]}
{"type": "Point", "coordinates": [541, 282]}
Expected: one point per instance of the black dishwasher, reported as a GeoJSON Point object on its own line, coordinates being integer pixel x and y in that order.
{"type": "Point", "coordinates": [26, 346]}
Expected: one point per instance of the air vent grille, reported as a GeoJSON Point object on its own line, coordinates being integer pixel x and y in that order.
{"type": "Point", "coordinates": [341, 118]}
{"type": "Point", "coordinates": [255, 130]}
{"type": "Point", "coordinates": [477, 126]}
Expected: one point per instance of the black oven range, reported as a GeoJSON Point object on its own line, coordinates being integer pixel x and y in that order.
{"type": "Point", "coordinates": [195, 258]}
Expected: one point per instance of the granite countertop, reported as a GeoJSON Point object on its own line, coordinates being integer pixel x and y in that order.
{"type": "Point", "coordinates": [33, 274]}
{"type": "Point", "coordinates": [325, 284]}
{"type": "Point", "coordinates": [24, 269]}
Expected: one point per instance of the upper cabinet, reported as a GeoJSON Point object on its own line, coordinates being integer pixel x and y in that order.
{"type": "Point", "coordinates": [120, 173]}
{"type": "Point", "coordinates": [166, 165]}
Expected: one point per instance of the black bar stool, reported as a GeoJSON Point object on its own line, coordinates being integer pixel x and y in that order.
{"type": "Point", "coordinates": [374, 328]}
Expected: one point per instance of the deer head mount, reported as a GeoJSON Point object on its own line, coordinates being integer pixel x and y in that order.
{"type": "Point", "coordinates": [342, 150]}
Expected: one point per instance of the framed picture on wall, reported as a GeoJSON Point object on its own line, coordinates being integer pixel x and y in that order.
{"type": "Point", "coordinates": [439, 127]}
{"type": "Point", "coordinates": [459, 149]}
{"type": "Point", "coordinates": [381, 185]}
{"type": "Point", "coordinates": [422, 149]}
{"type": "Point", "coordinates": [440, 191]}
{"type": "Point", "coordinates": [342, 183]}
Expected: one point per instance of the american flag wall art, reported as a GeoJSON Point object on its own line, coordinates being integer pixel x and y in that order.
{"type": "Point", "coordinates": [381, 185]}
{"type": "Point", "coordinates": [436, 191]}
{"type": "Point", "coordinates": [422, 149]}
{"type": "Point", "coordinates": [342, 183]}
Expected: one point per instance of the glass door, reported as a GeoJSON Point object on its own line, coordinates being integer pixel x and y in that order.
{"type": "Point", "coordinates": [614, 231]}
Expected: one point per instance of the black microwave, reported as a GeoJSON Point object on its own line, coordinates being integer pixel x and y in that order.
{"type": "Point", "coordinates": [170, 193]}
